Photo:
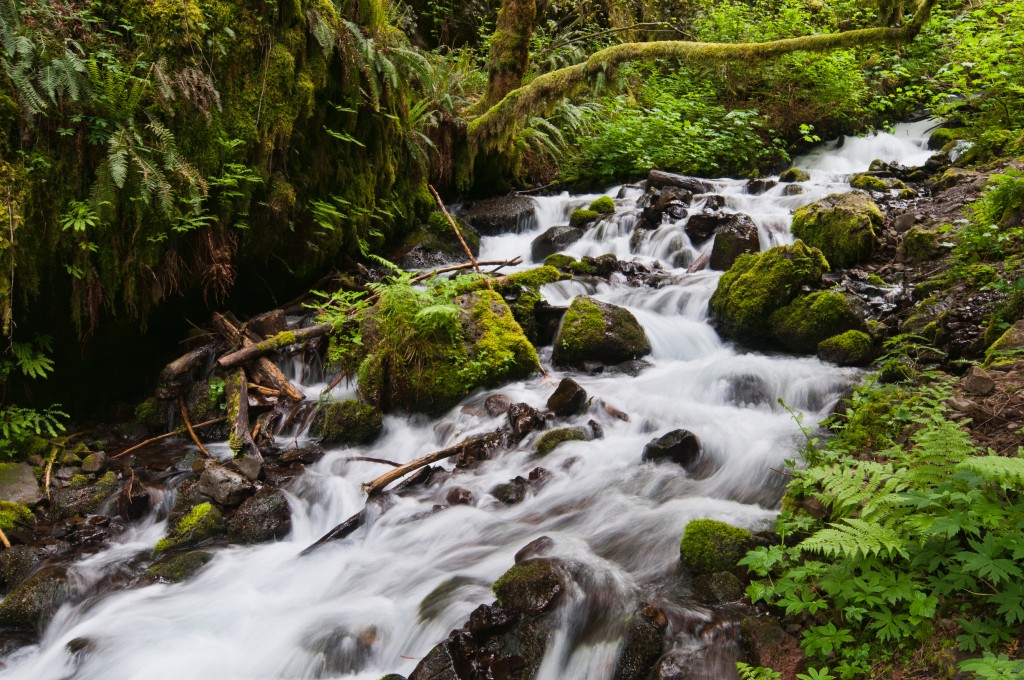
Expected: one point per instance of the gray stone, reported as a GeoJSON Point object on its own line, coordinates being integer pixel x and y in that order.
{"type": "Point", "coordinates": [225, 486]}
{"type": "Point", "coordinates": [501, 215]}
{"type": "Point", "coordinates": [95, 462]}
{"type": "Point", "coordinates": [977, 381]}
{"type": "Point", "coordinates": [18, 484]}
{"type": "Point", "coordinates": [734, 237]}
{"type": "Point", "coordinates": [263, 517]}
{"type": "Point", "coordinates": [554, 240]}
{"type": "Point", "coordinates": [678, 446]}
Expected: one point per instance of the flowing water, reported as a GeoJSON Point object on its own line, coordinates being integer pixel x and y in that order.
{"type": "Point", "coordinates": [359, 608]}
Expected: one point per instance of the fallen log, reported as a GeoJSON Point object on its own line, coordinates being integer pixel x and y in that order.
{"type": "Point", "coordinates": [175, 375]}
{"type": "Point", "coordinates": [236, 391]}
{"type": "Point", "coordinates": [264, 370]}
{"type": "Point", "coordinates": [377, 485]}
{"type": "Point", "coordinates": [273, 343]}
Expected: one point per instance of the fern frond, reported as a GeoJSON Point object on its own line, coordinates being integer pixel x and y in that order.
{"type": "Point", "coordinates": [853, 538]}
{"type": "Point", "coordinates": [1006, 472]}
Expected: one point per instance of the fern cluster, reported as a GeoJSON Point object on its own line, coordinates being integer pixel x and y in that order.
{"type": "Point", "coordinates": [916, 527]}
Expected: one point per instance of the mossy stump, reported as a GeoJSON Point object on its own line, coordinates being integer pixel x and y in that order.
{"type": "Point", "coordinates": [844, 227]}
{"type": "Point", "coordinates": [709, 546]}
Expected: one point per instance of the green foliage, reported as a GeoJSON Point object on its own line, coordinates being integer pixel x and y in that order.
{"type": "Point", "coordinates": [20, 425]}
{"type": "Point", "coordinates": [925, 526]}
{"type": "Point", "coordinates": [748, 672]}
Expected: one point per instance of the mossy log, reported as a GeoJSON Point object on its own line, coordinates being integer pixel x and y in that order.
{"type": "Point", "coordinates": [273, 343]}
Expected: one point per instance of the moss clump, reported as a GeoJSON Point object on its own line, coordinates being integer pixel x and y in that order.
{"type": "Point", "coordinates": [866, 182]}
{"type": "Point", "coordinates": [534, 278]}
{"type": "Point", "coordinates": [347, 422]}
{"type": "Point", "coordinates": [906, 194]}
{"type": "Point", "coordinates": [203, 521]}
{"type": "Point", "coordinates": [597, 331]}
{"type": "Point", "coordinates": [1010, 341]}
{"type": "Point", "coordinates": [758, 284]}
{"type": "Point", "coordinates": [581, 218]}
{"type": "Point", "coordinates": [943, 136]}
{"type": "Point", "coordinates": [852, 348]}
{"type": "Point", "coordinates": [12, 513]}
{"type": "Point", "coordinates": [794, 175]}
{"type": "Point", "coordinates": [549, 441]}
{"type": "Point", "coordinates": [709, 546]}
{"type": "Point", "coordinates": [178, 568]}
{"type": "Point", "coordinates": [559, 261]}
{"type": "Point", "coordinates": [844, 227]}
{"type": "Point", "coordinates": [149, 414]}
{"type": "Point", "coordinates": [920, 244]}
{"type": "Point", "coordinates": [583, 268]}
{"type": "Point", "coordinates": [78, 481]}
{"type": "Point", "coordinates": [604, 205]}
{"type": "Point", "coordinates": [805, 322]}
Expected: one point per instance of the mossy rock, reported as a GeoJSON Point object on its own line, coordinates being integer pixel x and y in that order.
{"type": "Point", "coordinates": [84, 497]}
{"type": "Point", "coordinates": [202, 523]}
{"type": "Point", "coordinates": [794, 175]}
{"type": "Point", "coordinates": [13, 513]}
{"type": "Point", "coordinates": [261, 518]}
{"type": "Point", "coordinates": [603, 205]}
{"type": "Point", "coordinates": [844, 227]}
{"type": "Point", "coordinates": [952, 177]}
{"type": "Point", "coordinates": [718, 588]}
{"type": "Point", "coordinates": [559, 261]}
{"type": "Point", "coordinates": [179, 567]}
{"type": "Point", "coordinates": [805, 322]}
{"type": "Point", "coordinates": [531, 587]}
{"type": "Point", "coordinates": [943, 136]}
{"type": "Point", "coordinates": [852, 348]}
{"type": "Point", "coordinates": [1010, 343]}
{"type": "Point", "coordinates": [202, 402]}
{"type": "Point", "coordinates": [595, 331]}
{"type": "Point", "coordinates": [347, 422]}
{"type": "Point", "coordinates": [583, 268]}
{"type": "Point", "coordinates": [436, 243]}
{"type": "Point", "coordinates": [551, 439]}
{"type": "Point", "coordinates": [758, 284]}
{"type": "Point", "coordinates": [709, 546]}
{"type": "Point", "coordinates": [868, 182]}
{"type": "Point", "coordinates": [31, 605]}
{"type": "Point", "coordinates": [920, 244]}
{"type": "Point", "coordinates": [581, 218]}
{"type": "Point", "coordinates": [492, 350]}
{"type": "Point", "coordinates": [534, 278]}
{"type": "Point", "coordinates": [151, 414]}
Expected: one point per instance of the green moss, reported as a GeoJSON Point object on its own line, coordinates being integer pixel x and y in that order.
{"type": "Point", "coordinates": [805, 322]}
{"type": "Point", "coordinates": [582, 268]}
{"type": "Point", "coordinates": [584, 326]}
{"type": "Point", "coordinates": [203, 521]}
{"type": "Point", "coordinates": [843, 226]}
{"type": "Point", "coordinates": [178, 568]}
{"type": "Point", "coordinates": [758, 284]}
{"type": "Point", "coordinates": [867, 182]}
{"type": "Point", "coordinates": [943, 136]}
{"type": "Point", "coordinates": [559, 261]}
{"type": "Point", "coordinates": [1009, 344]}
{"type": "Point", "coordinates": [907, 194]}
{"type": "Point", "coordinates": [794, 175]}
{"type": "Point", "coordinates": [550, 440]}
{"type": "Point", "coordinates": [596, 331]}
{"type": "Point", "coordinates": [347, 422]}
{"type": "Point", "coordinates": [920, 244]}
{"type": "Point", "coordinates": [149, 414]}
{"type": "Point", "coordinates": [709, 546]}
{"type": "Point", "coordinates": [581, 218]}
{"type": "Point", "coordinates": [35, 446]}
{"type": "Point", "coordinates": [534, 278]}
{"type": "Point", "coordinates": [79, 480]}
{"type": "Point", "coordinates": [852, 348]}
{"type": "Point", "coordinates": [12, 513]}
{"type": "Point", "coordinates": [603, 205]}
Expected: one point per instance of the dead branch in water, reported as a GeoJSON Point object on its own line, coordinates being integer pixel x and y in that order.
{"type": "Point", "coordinates": [167, 435]}
{"type": "Point", "coordinates": [188, 426]}
{"type": "Point", "coordinates": [377, 485]}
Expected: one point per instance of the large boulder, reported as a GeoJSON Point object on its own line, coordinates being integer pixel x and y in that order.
{"type": "Point", "coordinates": [805, 322]}
{"type": "Point", "coordinates": [735, 236]}
{"type": "Point", "coordinates": [757, 285]}
{"type": "Point", "coordinates": [595, 331]}
{"type": "Point", "coordinates": [710, 546]}
{"type": "Point", "coordinates": [845, 227]}
{"type": "Point", "coordinates": [346, 422]}
{"type": "Point", "coordinates": [31, 605]}
{"type": "Point", "coordinates": [490, 349]}
{"type": "Point", "coordinates": [852, 348]}
{"type": "Point", "coordinates": [501, 215]}
{"type": "Point", "coordinates": [261, 518]}
{"type": "Point", "coordinates": [553, 240]}
{"type": "Point", "coordinates": [18, 484]}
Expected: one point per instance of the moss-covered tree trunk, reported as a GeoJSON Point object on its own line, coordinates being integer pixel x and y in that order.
{"type": "Point", "coordinates": [510, 50]}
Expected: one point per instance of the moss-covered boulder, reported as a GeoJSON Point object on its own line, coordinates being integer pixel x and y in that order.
{"type": "Point", "coordinates": [709, 546]}
{"type": "Point", "coordinates": [794, 175]}
{"type": "Point", "coordinates": [31, 605]}
{"type": "Point", "coordinates": [202, 523]}
{"type": "Point", "coordinates": [758, 284]}
{"type": "Point", "coordinates": [1010, 343]}
{"type": "Point", "coordinates": [943, 136]}
{"type": "Point", "coordinates": [852, 348]}
{"type": "Point", "coordinates": [435, 244]}
{"type": "Point", "coordinates": [583, 218]}
{"type": "Point", "coordinates": [83, 496]}
{"type": "Point", "coordinates": [489, 349]}
{"type": "Point", "coordinates": [844, 227]}
{"type": "Point", "coordinates": [920, 244]}
{"type": "Point", "coordinates": [11, 514]}
{"type": "Point", "coordinates": [805, 322]}
{"type": "Point", "coordinates": [559, 261]}
{"type": "Point", "coordinates": [531, 587]}
{"type": "Point", "coordinates": [521, 291]}
{"type": "Point", "coordinates": [595, 331]}
{"type": "Point", "coordinates": [867, 182]}
{"type": "Point", "coordinates": [604, 205]}
{"type": "Point", "coordinates": [179, 567]}
{"type": "Point", "coordinates": [347, 422]}
{"type": "Point", "coordinates": [551, 439]}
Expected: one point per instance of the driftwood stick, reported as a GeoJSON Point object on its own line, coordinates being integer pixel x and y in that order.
{"type": "Point", "coordinates": [368, 459]}
{"type": "Point", "coordinates": [377, 485]}
{"type": "Point", "coordinates": [3, 539]}
{"type": "Point", "coordinates": [188, 426]}
{"type": "Point", "coordinates": [458, 233]}
{"type": "Point", "coordinates": [339, 532]}
{"type": "Point", "coordinates": [49, 469]}
{"type": "Point", "coordinates": [275, 342]}
{"type": "Point", "coordinates": [167, 435]}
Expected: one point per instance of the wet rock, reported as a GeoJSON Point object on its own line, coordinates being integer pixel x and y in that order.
{"type": "Point", "coordinates": [757, 285]}
{"type": "Point", "coordinates": [497, 405]}
{"type": "Point", "coordinates": [866, 181]}
{"type": "Point", "coordinates": [83, 497]}
{"type": "Point", "coordinates": [678, 446]}
{"type": "Point", "coordinates": [600, 332]}
{"type": "Point", "coordinates": [179, 567]}
{"type": "Point", "coordinates": [714, 202]}
{"type": "Point", "coordinates": [749, 390]}
{"type": "Point", "coordinates": [501, 215]}
{"type": "Point", "coordinates": [657, 179]}
{"type": "Point", "coordinates": [459, 496]}
{"type": "Point", "coordinates": [978, 382]}
{"type": "Point", "coordinates": [701, 226]}
{"type": "Point", "coordinates": [792, 190]}
{"type": "Point", "coordinates": [523, 419]}
{"type": "Point", "coordinates": [305, 454]}
{"type": "Point", "coordinates": [346, 422]}
{"type": "Point", "coordinates": [845, 227]}
{"type": "Point", "coordinates": [531, 587]}
{"type": "Point", "coordinates": [642, 645]}
{"type": "Point", "coordinates": [31, 605]}
{"type": "Point", "coordinates": [794, 175]}
{"type": "Point", "coordinates": [18, 484]}
{"type": "Point", "coordinates": [808, 320]}
{"type": "Point", "coordinates": [671, 203]}
{"type": "Point", "coordinates": [435, 244]}
{"type": "Point", "coordinates": [770, 646]}
{"type": "Point", "coordinates": [95, 462]}
{"type": "Point", "coordinates": [133, 502]}
{"type": "Point", "coordinates": [17, 563]}
{"type": "Point", "coordinates": [225, 486]}
{"type": "Point", "coordinates": [942, 136]}
{"type": "Point", "coordinates": [480, 448]}
{"type": "Point", "coordinates": [735, 236]}
{"type": "Point", "coordinates": [450, 660]}
{"type": "Point", "coordinates": [710, 546]}
{"type": "Point", "coordinates": [511, 492]}
{"type": "Point", "coordinates": [201, 524]}
{"type": "Point", "coordinates": [550, 440]}
{"type": "Point", "coordinates": [718, 588]}
{"type": "Point", "coordinates": [596, 430]}
{"type": "Point", "coordinates": [263, 517]}
{"type": "Point", "coordinates": [535, 548]}
{"type": "Point", "coordinates": [759, 186]}
{"type": "Point", "coordinates": [490, 619]}
{"type": "Point", "coordinates": [1010, 341]}
{"type": "Point", "coordinates": [568, 399]}
{"type": "Point", "coordinates": [852, 348]}
{"type": "Point", "coordinates": [553, 240]}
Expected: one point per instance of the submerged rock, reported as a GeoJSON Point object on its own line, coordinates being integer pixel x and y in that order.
{"type": "Point", "coordinates": [718, 588]}
{"type": "Point", "coordinates": [678, 446]}
{"type": "Point", "coordinates": [845, 227]}
{"type": "Point", "coordinates": [642, 645]}
{"type": "Point", "coordinates": [202, 523]}
{"type": "Point", "coordinates": [709, 546]}
{"type": "Point", "coordinates": [568, 399]}
{"type": "Point", "coordinates": [179, 567]}
{"type": "Point", "coordinates": [597, 331]}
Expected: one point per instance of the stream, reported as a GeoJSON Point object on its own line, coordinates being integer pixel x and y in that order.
{"type": "Point", "coordinates": [359, 608]}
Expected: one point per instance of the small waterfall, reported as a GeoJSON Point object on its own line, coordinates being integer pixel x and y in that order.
{"type": "Point", "coordinates": [378, 601]}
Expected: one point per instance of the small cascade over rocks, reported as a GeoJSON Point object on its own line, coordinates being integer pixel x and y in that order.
{"type": "Point", "coordinates": [581, 545]}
